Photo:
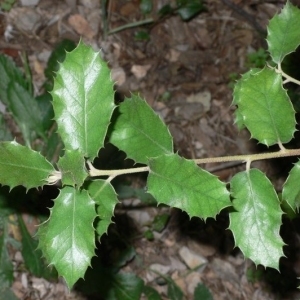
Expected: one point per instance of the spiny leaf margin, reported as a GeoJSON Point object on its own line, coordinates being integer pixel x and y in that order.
{"type": "Point", "coordinates": [178, 182]}
{"type": "Point", "coordinates": [256, 221]}
{"type": "Point", "coordinates": [78, 84]}
{"type": "Point", "coordinates": [20, 165]}
{"type": "Point", "coordinates": [67, 238]}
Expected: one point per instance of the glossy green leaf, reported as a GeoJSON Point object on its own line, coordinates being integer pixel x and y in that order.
{"type": "Point", "coordinates": [103, 193]}
{"type": "Point", "coordinates": [9, 73]}
{"type": "Point", "coordinates": [180, 183]}
{"type": "Point", "coordinates": [72, 166]}
{"type": "Point", "coordinates": [291, 188]}
{"type": "Point", "coordinates": [67, 238]}
{"type": "Point", "coordinates": [264, 107]}
{"type": "Point", "coordinates": [25, 111]}
{"type": "Point", "coordinates": [126, 286]}
{"type": "Point", "coordinates": [31, 255]}
{"type": "Point", "coordinates": [83, 100]}
{"type": "Point", "coordinates": [57, 56]}
{"type": "Point", "coordinates": [283, 32]}
{"type": "Point", "coordinates": [256, 222]}
{"type": "Point", "coordinates": [140, 132]}
{"type": "Point", "coordinates": [20, 165]}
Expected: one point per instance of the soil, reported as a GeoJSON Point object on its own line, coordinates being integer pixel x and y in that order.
{"type": "Point", "coordinates": [185, 71]}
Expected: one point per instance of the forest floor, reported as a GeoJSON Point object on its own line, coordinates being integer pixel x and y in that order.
{"type": "Point", "coordinates": [185, 71]}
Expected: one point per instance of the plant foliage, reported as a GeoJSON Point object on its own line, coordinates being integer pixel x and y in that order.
{"type": "Point", "coordinates": [83, 101]}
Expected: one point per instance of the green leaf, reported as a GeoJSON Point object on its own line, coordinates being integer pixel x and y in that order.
{"type": "Point", "coordinates": [140, 132]}
{"type": "Point", "coordinates": [25, 111]}
{"type": "Point", "coordinates": [103, 193]}
{"type": "Point", "coordinates": [31, 255]}
{"type": "Point", "coordinates": [160, 222]}
{"type": "Point", "coordinates": [190, 9]}
{"type": "Point", "coordinates": [83, 100]}
{"type": "Point", "coordinates": [126, 286]}
{"type": "Point", "coordinates": [257, 220]}
{"type": "Point", "coordinates": [9, 73]}
{"type": "Point", "coordinates": [291, 188]}
{"type": "Point", "coordinates": [5, 134]}
{"type": "Point", "coordinates": [6, 266]}
{"type": "Point", "coordinates": [151, 293]}
{"type": "Point", "coordinates": [264, 107]}
{"type": "Point", "coordinates": [57, 56]}
{"type": "Point", "coordinates": [46, 110]}
{"type": "Point", "coordinates": [111, 285]}
{"type": "Point", "coordinates": [20, 165]}
{"type": "Point", "coordinates": [72, 166]}
{"type": "Point", "coordinates": [125, 192]}
{"type": "Point", "coordinates": [174, 292]}
{"type": "Point", "coordinates": [67, 238]}
{"type": "Point", "coordinates": [283, 32]}
{"type": "Point", "coordinates": [180, 183]}
{"type": "Point", "coordinates": [8, 294]}
{"type": "Point", "coordinates": [202, 292]}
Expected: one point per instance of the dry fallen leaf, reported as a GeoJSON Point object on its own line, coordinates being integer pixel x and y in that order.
{"type": "Point", "coordinates": [140, 71]}
{"type": "Point", "coordinates": [81, 26]}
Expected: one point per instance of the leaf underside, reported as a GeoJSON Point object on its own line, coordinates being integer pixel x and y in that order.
{"type": "Point", "coordinates": [140, 132]}
{"type": "Point", "coordinates": [20, 165]}
{"type": "Point", "coordinates": [180, 183]}
{"type": "Point", "coordinates": [256, 222]}
{"type": "Point", "coordinates": [67, 238]}
{"type": "Point", "coordinates": [291, 188]}
{"type": "Point", "coordinates": [283, 33]}
{"type": "Point", "coordinates": [83, 100]}
{"type": "Point", "coordinates": [264, 107]}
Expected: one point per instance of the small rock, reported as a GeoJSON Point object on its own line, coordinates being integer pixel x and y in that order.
{"type": "Point", "coordinates": [192, 280]}
{"type": "Point", "coordinates": [176, 264]}
{"type": "Point", "coordinates": [29, 2]}
{"type": "Point", "coordinates": [191, 259]}
{"type": "Point", "coordinates": [157, 268]}
{"type": "Point", "coordinates": [142, 218]}
{"type": "Point", "coordinates": [203, 249]}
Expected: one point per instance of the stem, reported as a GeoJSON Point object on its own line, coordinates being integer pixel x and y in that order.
{"type": "Point", "coordinates": [131, 25]}
{"type": "Point", "coordinates": [286, 76]}
{"type": "Point", "coordinates": [93, 172]}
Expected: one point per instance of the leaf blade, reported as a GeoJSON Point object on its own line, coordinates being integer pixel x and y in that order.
{"type": "Point", "coordinates": [257, 220]}
{"type": "Point", "coordinates": [25, 111]}
{"type": "Point", "coordinates": [67, 237]}
{"type": "Point", "coordinates": [72, 167]}
{"type": "Point", "coordinates": [291, 190]}
{"type": "Point", "coordinates": [180, 183]}
{"type": "Point", "coordinates": [20, 165]}
{"type": "Point", "coordinates": [140, 132]}
{"type": "Point", "coordinates": [9, 73]}
{"type": "Point", "coordinates": [264, 107]}
{"type": "Point", "coordinates": [82, 77]}
{"type": "Point", "coordinates": [279, 42]}
{"type": "Point", "coordinates": [103, 193]}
